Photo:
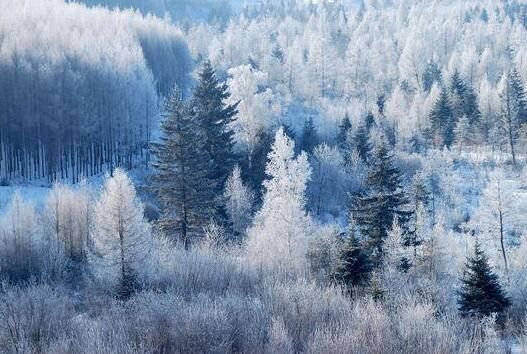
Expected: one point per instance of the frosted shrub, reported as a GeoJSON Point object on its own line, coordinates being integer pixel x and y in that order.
{"type": "Point", "coordinates": [32, 317]}
{"type": "Point", "coordinates": [305, 308]}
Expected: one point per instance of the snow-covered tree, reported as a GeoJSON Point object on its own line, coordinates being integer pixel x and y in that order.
{"type": "Point", "coordinates": [239, 202]}
{"type": "Point", "coordinates": [121, 236]}
{"type": "Point", "coordinates": [281, 229]}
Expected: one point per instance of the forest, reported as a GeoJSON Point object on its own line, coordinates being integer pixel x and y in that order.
{"type": "Point", "coordinates": [275, 176]}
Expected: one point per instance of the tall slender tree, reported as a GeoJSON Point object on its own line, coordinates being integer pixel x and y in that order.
{"type": "Point", "coordinates": [384, 201]}
{"type": "Point", "coordinates": [214, 118]}
{"type": "Point", "coordinates": [181, 181]}
{"type": "Point", "coordinates": [442, 120]}
{"type": "Point", "coordinates": [121, 235]}
{"type": "Point", "coordinates": [309, 137]}
{"type": "Point", "coordinates": [514, 109]}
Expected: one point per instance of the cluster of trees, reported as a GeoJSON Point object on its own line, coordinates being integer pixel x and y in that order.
{"type": "Point", "coordinates": [419, 69]}
{"type": "Point", "coordinates": [80, 95]}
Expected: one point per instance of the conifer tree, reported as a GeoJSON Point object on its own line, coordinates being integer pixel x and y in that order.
{"type": "Point", "coordinates": [384, 201]}
{"type": "Point", "coordinates": [431, 75]}
{"type": "Point", "coordinates": [214, 118]}
{"type": "Point", "coordinates": [344, 129]}
{"type": "Point", "coordinates": [464, 100]}
{"type": "Point", "coordinates": [442, 120]}
{"type": "Point", "coordinates": [514, 109]}
{"type": "Point", "coordinates": [481, 293]}
{"type": "Point", "coordinates": [362, 142]}
{"type": "Point", "coordinates": [369, 121]}
{"type": "Point", "coordinates": [309, 136]}
{"type": "Point", "coordinates": [181, 181]}
{"type": "Point", "coordinates": [354, 266]}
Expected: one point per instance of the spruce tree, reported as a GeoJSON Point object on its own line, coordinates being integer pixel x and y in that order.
{"type": "Point", "coordinates": [362, 142]}
{"type": "Point", "coordinates": [442, 121]}
{"type": "Point", "coordinates": [431, 75]}
{"type": "Point", "coordinates": [514, 109]}
{"type": "Point", "coordinates": [464, 100]}
{"type": "Point", "coordinates": [181, 180]}
{"type": "Point", "coordinates": [481, 293]}
{"type": "Point", "coordinates": [214, 118]}
{"type": "Point", "coordinates": [344, 129]}
{"type": "Point", "coordinates": [354, 266]}
{"type": "Point", "coordinates": [520, 96]}
{"type": "Point", "coordinates": [384, 201]}
{"type": "Point", "coordinates": [309, 136]}
{"type": "Point", "coordinates": [369, 121]}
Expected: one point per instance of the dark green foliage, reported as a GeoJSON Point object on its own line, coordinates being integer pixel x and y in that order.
{"type": "Point", "coordinates": [481, 293]}
{"type": "Point", "coordinates": [385, 200]}
{"type": "Point", "coordinates": [180, 181]}
{"type": "Point", "coordinates": [369, 121]}
{"type": "Point", "coordinates": [431, 76]}
{"type": "Point", "coordinates": [442, 120]}
{"type": "Point", "coordinates": [362, 142]}
{"type": "Point", "coordinates": [464, 100]}
{"type": "Point", "coordinates": [344, 129]}
{"type": "Point", "coordinates": [354, 266]}
{"type": "Point", "coordinates": [309, 137]}
{"type": "Point", "coordinates": [253, 169]}
{"type": "Point", "coordinates": [514, 110]}
{"type": "Point", "coordinates": [381, 102]}
{"type": "Point", "coordinates": [214, 117]}
{"type": "Point", "coordinates": [520, 96]}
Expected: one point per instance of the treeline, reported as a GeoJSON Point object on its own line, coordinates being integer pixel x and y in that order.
{"type": "Point", "coordinates": [81, 96]}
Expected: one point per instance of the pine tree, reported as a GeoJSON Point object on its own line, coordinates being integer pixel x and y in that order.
{"type": "Point", "coordinates": [369, 121]}
{"type": "Point", "coordinates": [464, 101]}
{"type": "Point", "coordinates": [354, 266]}
{"type": "Point", "coordinates": [442, 120]}
{"type": "Point", "coordinates": [384, 201]}
{"type": "Point", "coordinates": [344, 129]}
{"type": "Point", "coordinates": [514, 109]}
{"type": "Point", "coordinates": [214, 118]}
{"type": "Point", "coordinates": [520, 95]}
{"type": "Point", "coordinates": [362, 142]}
{"type": "Point", "coordinates": [481, 293]}
{"type": "Point", "coordinates": [431, 75]}
{"type": "Point", "coordinates": [181, 181]}
{"type": "Point", "coordinates": [458, 89]}
{"type": "Point", "coordinates": [309, 136]}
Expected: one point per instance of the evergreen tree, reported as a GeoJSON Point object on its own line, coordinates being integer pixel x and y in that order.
{"type": "Point", "coordinates": [384, 201]}
{"type": "Point", "coordinates": [181, 181]}
{"type": "Point", "coordinates": [442, 120]}
{"type": "Point", "coordinates": [514, 109]}
{"type": "Point", "coordinates": [214, 118]}
{"type": "Point", "coordinates": [309, 136]}
{"type": "Point", "coordinates": [431, 75]}
{"type": "Point", "coordinates": [369, 121]}
{"type": "Point", "coordinates": [381, 104]}
{"type": "Point", "coordinates": [344, 129]}
{"type": "Point", "coordinates": [354, 266]}
{"type": "Point", "coordinates": [464, 100]}
{"type": "Point", "coordinates": [481, 293]}
{"type": "Point", "coordinates": [362, 142]}
{"type": "Point", "coordinates": [520, 96]}
{"type": "Point", "coordinates": [458, 89]}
